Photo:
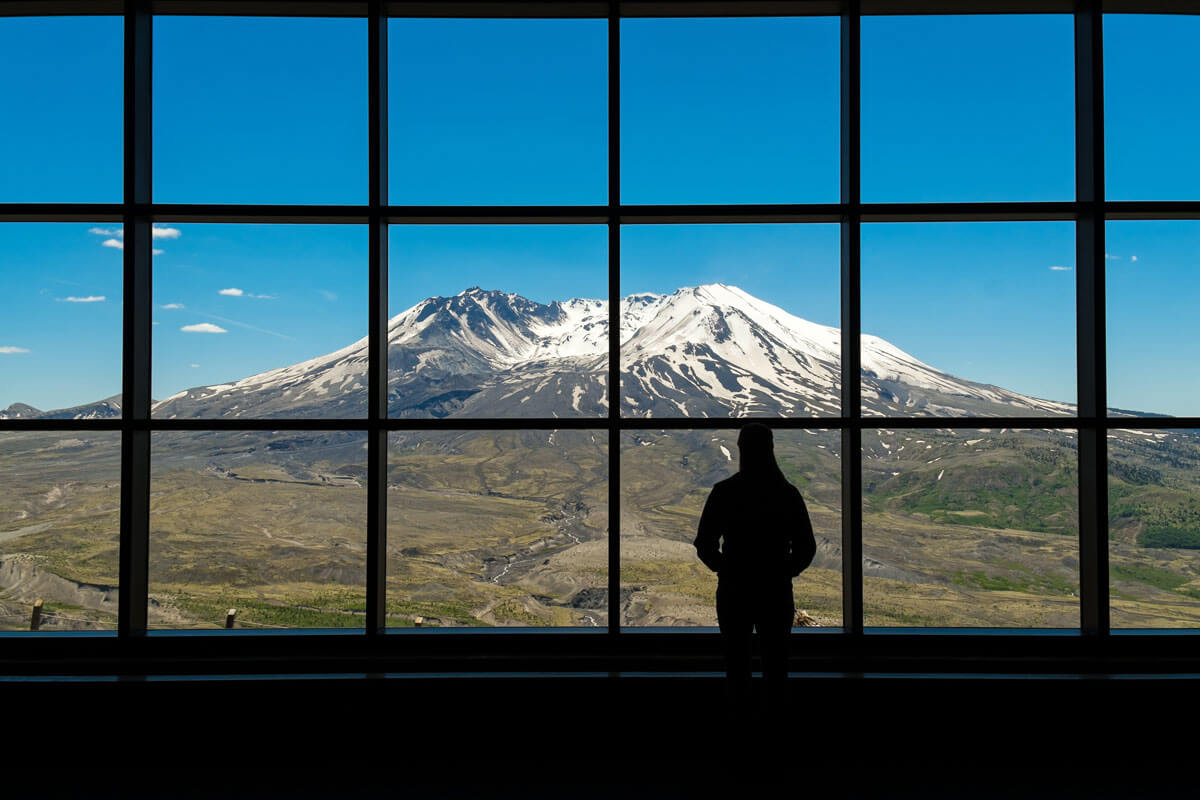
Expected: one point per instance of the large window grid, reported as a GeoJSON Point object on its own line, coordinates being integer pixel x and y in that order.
{"type": "Point", "coordinates": [1089, 211]}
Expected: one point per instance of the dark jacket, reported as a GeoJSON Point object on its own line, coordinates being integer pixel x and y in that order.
{"type": "Point", "coordinates": [755, 530]}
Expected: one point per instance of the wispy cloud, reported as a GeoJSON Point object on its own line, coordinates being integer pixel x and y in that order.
{"type": "Point", "coordinates": [1111, 257]}
{"type": "Point", "coordinates": [157, 252]}
{"type": "Point", "coordinates": [203, 327]}
{"type": "Point", "coordinates": [245, 325]}
{"type": "Point", "coordinates": [173, 306]}
{"type": "Point", "coordinates": [92, 298]}
{"type": "Point", "coordinates": [1059, 268]}
{"type": "Point", "coordinates": [1133, 258]}
{"type": "Point", "coordinates": [194, 366]}
{"type": "Point", "coordinates": [107, 231]}
{"type": "Point", "coordinates": [10, 350]}
{"type": "Point", "coordinates": [165, 233]}
{"type": "Point", "coordinates": [114, 243]}
{"type": "Point", "coordinates": [330, 296]}
{"type": "Point", "coordinates": [231, 292]}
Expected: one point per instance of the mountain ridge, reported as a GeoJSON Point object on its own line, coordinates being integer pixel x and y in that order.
{"type": "Point", "coordinates": [703, 351]}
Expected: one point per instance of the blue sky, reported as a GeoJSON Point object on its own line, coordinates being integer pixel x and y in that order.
{"type": "Point", "coordinates": [1153, 325]}
{"type": "Point", "coordinates": [988, 301]}
{"type": "Point", "coordinates": [968, 108]}
{"type": "Point", "coordinates": [498, 112]}
{"type": "Point", "coordinates": [510, 112]}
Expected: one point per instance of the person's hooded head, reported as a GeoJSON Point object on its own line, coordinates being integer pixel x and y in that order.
{"type": "Point", "coordinates": [756, 451]}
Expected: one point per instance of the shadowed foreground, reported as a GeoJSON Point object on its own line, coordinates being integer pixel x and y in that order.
{"type": "Point", "coordinates": [534, 737]}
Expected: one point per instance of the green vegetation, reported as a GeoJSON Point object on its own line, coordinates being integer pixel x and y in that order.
{"type": "Point", "coordinates": [1188, 538]}
{"type": "Point", "coordinates": [1026, 581]}
{"type": "Point", "coordinates": [401, 613]}
{"type": "Point", "coordinates": [1141, 573]}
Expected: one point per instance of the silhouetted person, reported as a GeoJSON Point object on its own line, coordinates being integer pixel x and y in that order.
{"type": "Point", "coordinates": [756, 535]}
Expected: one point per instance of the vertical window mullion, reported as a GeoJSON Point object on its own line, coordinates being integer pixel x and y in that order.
{"type": "Point", "coordinates": [377, 407]}
{"type": "Point", "coordinates": [1090, 320]}
{"type": "Point", "coordinates": [614, 318]}
{"type": "Point", "coordinates": [851, 321]}
{"type": "Point", "coordinates": [136, 325]}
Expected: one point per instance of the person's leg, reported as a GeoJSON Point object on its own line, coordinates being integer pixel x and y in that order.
{"type": "Point", "coordinates": [736, 627]}
{"type": "Point", "coordinates": [774, 625]}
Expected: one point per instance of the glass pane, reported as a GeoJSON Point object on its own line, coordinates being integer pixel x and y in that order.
{"type": "Point", "coordinates": [60, 320]}
{"type": "Point", "coordinates": [730, 320]}
{"type": "Point", "coordinates": [1152, 290]}
{"type": "Point", "coordinates": [968, 319]}
{"type": "Point", "coordinates": [497, 111]}
{"type": "Point", "coordinates": [730, 110]}
{"type": "Point", "coordinates": [970, 528]}
{"type": "Point", "coordinates": [60, 529]}
{"type": "Point", "coordinates": [62, 91]}
{"type": "Point", "coordinates": [950, 113]}
{"type": "Point", "coordinates": [506, 528]}
{"type": "Point", "coordinates": [498, 321]}
{"type": "Point", "coordinates": [1154, 528]}
{"type": "Point", "coordinates": [272, 524]}
{"type": "Point", "coordinates": [1151, 107]}
{"type": "Point", "coordinates": [260, 321]}
{"type": "Point", "coordinates": [260, 110]}
{"type": "Point", "coordinates": [666, 477]}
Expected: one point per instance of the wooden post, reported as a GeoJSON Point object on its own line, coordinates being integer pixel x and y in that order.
{"type": "Point", "coordinates": [229, 618]}
{"type": "Point", "coordinates": [35, 621]}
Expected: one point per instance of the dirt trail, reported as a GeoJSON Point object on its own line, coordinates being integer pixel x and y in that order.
{"type": "Point", "coordinates": [8, 536]}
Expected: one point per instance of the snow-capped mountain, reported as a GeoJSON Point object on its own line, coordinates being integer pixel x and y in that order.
{"type": "Point", "coordinates": [700, 351]}
{"type": "Point", "coordinates": [108, 408]}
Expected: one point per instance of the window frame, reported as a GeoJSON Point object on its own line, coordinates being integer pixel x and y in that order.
{"type": "Point", "coordinates": [1092, 645]}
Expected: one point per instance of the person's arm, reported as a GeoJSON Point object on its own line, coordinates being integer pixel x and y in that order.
{"type": "Point", "coordinates": [709, 531]}
{"type": "Point", "coordinates": [804, 543]}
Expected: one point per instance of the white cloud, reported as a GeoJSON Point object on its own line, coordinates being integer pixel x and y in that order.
{"type": "Point", "coordinates": [195, 366]}
{"type": "Point", "coordinates": [330, 296]}
{"type": "Point", "coordinates": [1133, 258]}
{"type": "Point", "coordinates": [203, 327]}
{"type": "Point", "coordinates": [1111, 257]}
{"type": "Point", "coordinates": [9, 350]}
{"type": "Point", "coordinates": [91, 298]}
{"type": "Point", "coordinates": [235, 292]}
{"type": "Point", "coordinates": [119, 234]}
{"type": "Point", "coordinates": [1058, 268]}
{"type": "Point", "coordinates": [173, 306]}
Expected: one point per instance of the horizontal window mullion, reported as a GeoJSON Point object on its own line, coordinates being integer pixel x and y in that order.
{"type": "Point", "coordinates": [250, 214]}
{"type": "Point", "coordinates": [577, 9]}
{"type": "Point", "coordinates": [1152, 423]}
{"type": "Point", "coordinates": [22, 425]}
{"type": "Point", "coordinates": [62, 212]}
{"type": "Point", "coordinates": [627, 214]}
{"type": "Point", "coordinates": [1149, 209]}
{"type": "Point", "coordinates": [597, 423]}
